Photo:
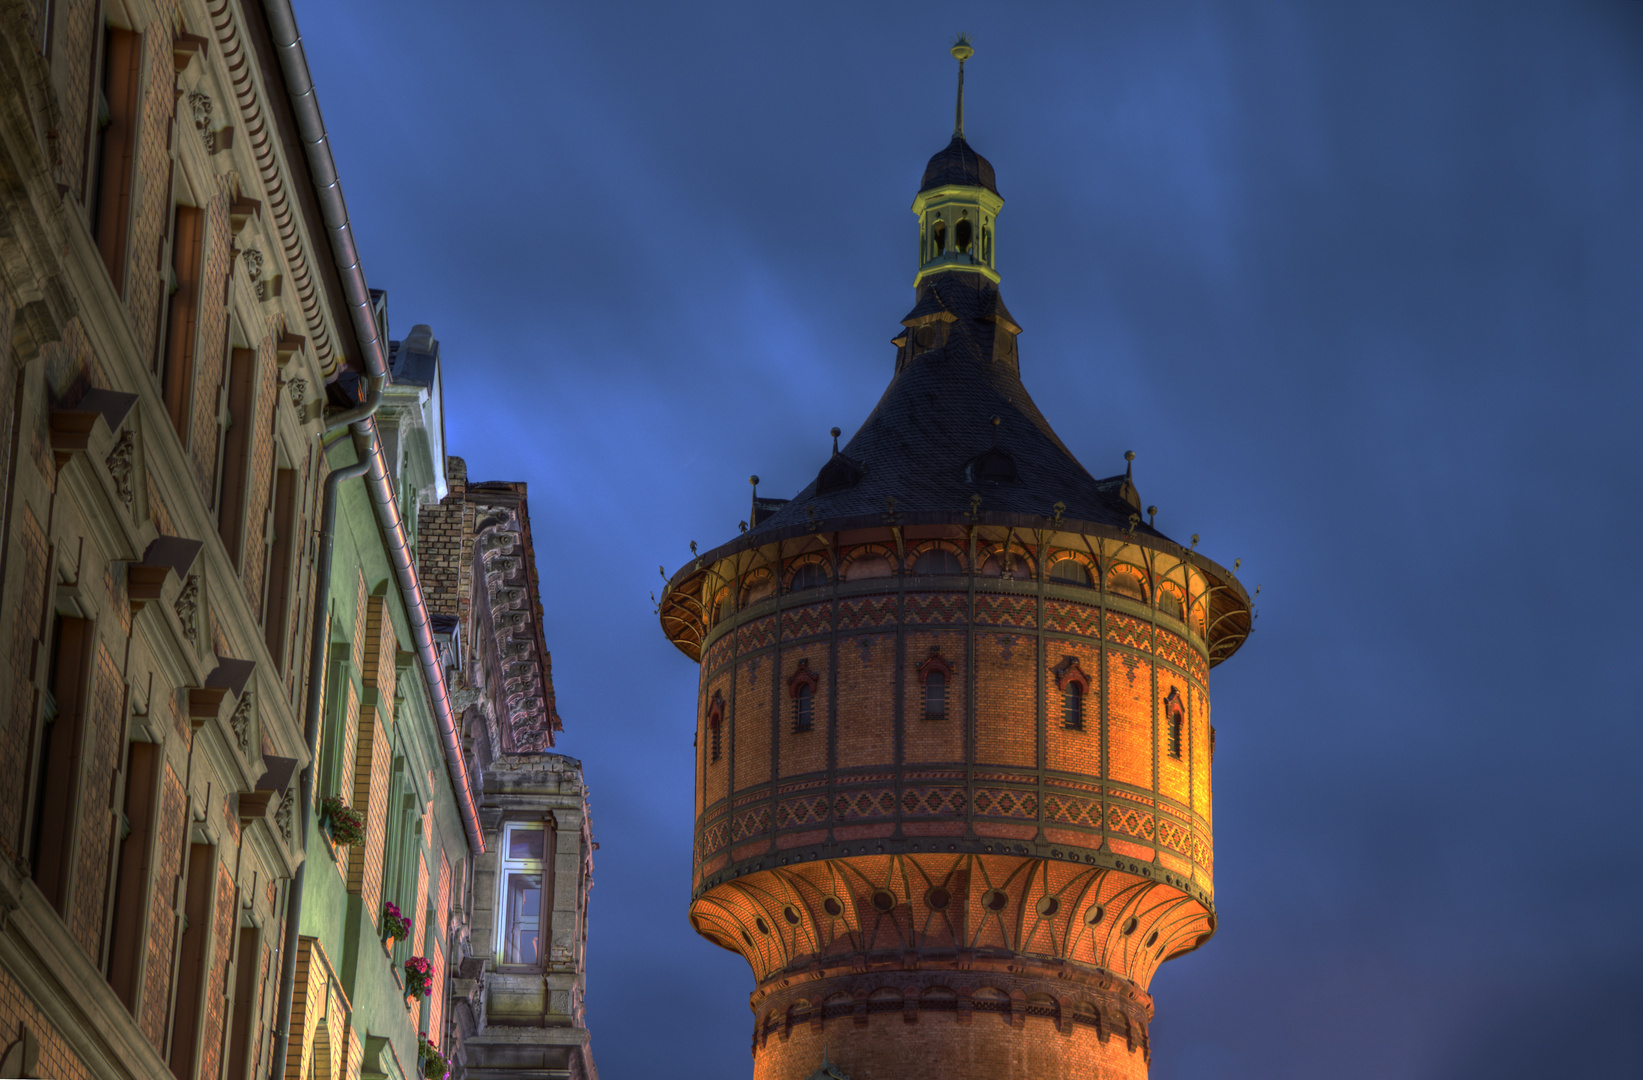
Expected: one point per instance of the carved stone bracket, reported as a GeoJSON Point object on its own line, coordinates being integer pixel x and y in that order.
{"type": "Point", "coordinates": [119, 462]}
{"type": "Point", "coordinates": [186, 605]}
{"type": "Point", "coordinates": [241, 723]}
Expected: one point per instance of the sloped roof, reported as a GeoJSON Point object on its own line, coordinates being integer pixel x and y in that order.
{"type": "Point", "coordinates": [957, 164]}
{"type": "Point", "coordinates": [919, 444]}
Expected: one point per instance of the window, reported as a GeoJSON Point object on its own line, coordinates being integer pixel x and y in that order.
{"type": "Point", "coordinates": [1072, 707]}
{"type": "Point", "coordinates": [235, 451]}
{"type": "Point", "coordinates": [179, 316]}
{"type": "Point", "coordinates": [1169, 602]}
{"type": "Point", "coordinates": [938, 239]}
{"type": "Point", "coordinates": [281, 553]}
{"type": "Point", "coordinates": [1175, 724]}
{"type": "Point", "coordinates": [938, 561]}
{"type": "Point", "coordinates": [114, 146]}
{"type": "Point", "coordinates": [1071, 572]}
{"type": "Point", "coordinates": [131, 880]}
{"type": "Point", "coordinates": [936, 673]}
{"type": "Point", "coordinates": [801, 709]}
{"type": "Point", "coordinates": [962, 234]}
{"type": "Point", "coordinates": [865, 567]}
{"type": "Point", "coordinates": [526, 853]}
{"type": "Point", "coordinates": [1074, 685]}
{"type": "Point", "coordinates": [1127, 581]}
{"type": "Point", "coordinates": [935, 696]}
{"type": "Point", "coordinates": [812, 575]}
{"type": "Point", "coordinates": [56, 788]}
{"type": "Point", "coordinates": [715, 720]}
{"type": "Point", "coordinates": [802, 687]}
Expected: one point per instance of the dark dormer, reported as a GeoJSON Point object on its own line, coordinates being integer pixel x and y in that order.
{"type": "Point", "coordinates": [840, 472]}
{"type": "Point", "coordinates": [992, 466]}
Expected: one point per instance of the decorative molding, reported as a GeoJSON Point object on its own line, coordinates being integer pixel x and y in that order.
{"type": "Point", "coordinates": [298, 389]}
{"type": "Point", "coordinates": [187, 605]}
{"type": "Point", "coordinates": [241, 723]}
{"type": "Point", "coordinates": [119, 462]}
{"type": "Point", "coordinates": [282, 816]}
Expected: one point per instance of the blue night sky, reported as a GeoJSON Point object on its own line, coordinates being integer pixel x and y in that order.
{"type": "Point", "coordinates": [1359, 283]}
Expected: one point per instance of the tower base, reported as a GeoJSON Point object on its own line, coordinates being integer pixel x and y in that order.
{"type": "Point", "coordinates": [997, 1017]}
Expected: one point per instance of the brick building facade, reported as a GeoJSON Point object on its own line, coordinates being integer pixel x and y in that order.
{"type": "Point", "coordinates": [216, 648]}
{"type": "Point", "coordinates": [953, 800]}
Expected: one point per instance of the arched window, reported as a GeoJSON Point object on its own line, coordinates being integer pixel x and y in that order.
{"type": "Point", "coordinates": [1074, 686]}
{"type": "Point", "coordinates": [1127, 581]}
{"type": "Point", "coordinates": [935, 696]}
{"type": "Point", "coordinates": [1072, 707]}
{"type": "Point", "coordinates": [936, 674]}
{"type": "Point", "coordinates": [1070, 572]}
{"type": "Point", "coordinates": [938, 561]}
{"type": "Point", "coordinates": [715, 721]}
{"type": "Point", "coordinates": [1176, 714]}
{"type": "Point", "coordinates": [938, 239]}
{"type": "Point", "coordinates": [962, 234]}
{"type": "Point", "coordinates": [868, 565]}
{"type": "Point", "coordinates": [801, 709]}
{"type": "Point", "coordinates": [812, 575]}
{"type": "Point", "coordinates": [1170, 602]}
{"type": "Point", "coordinates": [802, 687]}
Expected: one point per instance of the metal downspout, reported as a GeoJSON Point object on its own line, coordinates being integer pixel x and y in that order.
{"type": "Point", "coordinates": [287, 44]}
{"type": "Point", "coordinates": [320, 629]}
{"type": "Point", "coordinates": [282, 26]}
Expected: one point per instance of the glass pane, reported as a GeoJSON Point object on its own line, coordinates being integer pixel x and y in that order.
{"type": "Point", "coordinates": [523, 924]}
{"type": "Point", "coordinates": [526, 843]}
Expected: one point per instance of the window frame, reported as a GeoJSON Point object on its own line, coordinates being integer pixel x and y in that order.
{"type": "Point", "coordinates": [543, 868]}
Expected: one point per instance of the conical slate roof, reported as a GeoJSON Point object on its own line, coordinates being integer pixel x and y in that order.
{"type": "Point", "coordinates": [957, 164]}
{"type": "Point", "coordinates": [930, 443]}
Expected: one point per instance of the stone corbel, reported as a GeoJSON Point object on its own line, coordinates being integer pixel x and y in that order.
{"type": "Point", "coordinates": [75, 429]}
{"type": "Point", "coordinates": [184, 47]}
{"type": "Point", "coordinates": [165, 555]}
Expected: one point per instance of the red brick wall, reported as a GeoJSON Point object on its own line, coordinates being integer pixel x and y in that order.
{"type": "Point", "coordinates": [73, 56]}
{"type": "Point", "coordinates": [57, 1060]}
{"type": "Point", "coordinates": [216, 987]}
{"type": "Point", "coordinates": [371, 796]}
{"type": "Point", "coordinates": [27, 598]}
{"type": "Point", "coordinates": [162, 928]}
{"type": "Point", "coordinates": [97, 821]}
{"type": "Point", "coordinates": [209, 363]}
{"type": "Point", "coordinates": [937, 1045]}
{"type": "Point", "coordinates": [152, 216]}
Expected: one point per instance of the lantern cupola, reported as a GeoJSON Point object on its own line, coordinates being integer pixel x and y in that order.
{"type": "Point", "coordinates": [958, 201]}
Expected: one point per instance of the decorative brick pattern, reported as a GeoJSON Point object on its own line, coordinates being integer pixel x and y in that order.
{"type": "Point", "coordinates": [759, 634]}
{"type": "Point", "coordinates": [865, 612]}
{"type": "Point", "coordinates": [936, 607]}
{"type": "Point", "coordinates": [996, 610]}
{"type": "Point", "coordinates": [807, 621]}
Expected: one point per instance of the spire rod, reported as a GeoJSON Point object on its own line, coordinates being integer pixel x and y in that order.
{"type": "Point", "coordinates": [961, 51]}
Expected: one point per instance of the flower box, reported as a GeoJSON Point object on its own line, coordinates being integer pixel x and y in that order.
{"type": "Point", "coordinates": [344, 824]}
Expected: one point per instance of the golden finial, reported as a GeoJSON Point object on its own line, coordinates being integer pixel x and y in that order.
{"type": "Point", "coordinates": [961, 51]}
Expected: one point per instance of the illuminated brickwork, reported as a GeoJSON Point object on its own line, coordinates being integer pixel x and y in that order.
{"type": "Point", "coordinates": [953, 747]}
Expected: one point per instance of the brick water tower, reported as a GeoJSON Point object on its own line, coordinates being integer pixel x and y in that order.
{"type": "Point", "coordinates": [953, 749]}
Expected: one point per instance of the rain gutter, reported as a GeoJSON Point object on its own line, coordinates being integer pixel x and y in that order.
{"type": "Point", "coordinates": [287, 44]}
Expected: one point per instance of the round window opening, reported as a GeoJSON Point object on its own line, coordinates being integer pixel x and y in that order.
{"type": "Point", "coordinates": [747, 939]}
{"type": "Point", "coordinates": [883, 901]}
{"type": "Point", "coordinates": [1094, 915]}
{"type": "Point", "coordinates": [764, 927]}
{"type": "Point", "coordinates": [791, 914]}
{"type": "Point", "coordinates": [1048, 905]}
{"type": "Point", "coordinates": [833, 907]}
{"type": "Point", "coordinates": [1129, 925]}
{"type": "Point", "coordinates": [925, 336]}
{"type": "Point", "coordinates": [1152, 939]}
{"type": "Point", "coordinates": [939, 898]}
{"type": "Point", "coordinates": [996, 900]}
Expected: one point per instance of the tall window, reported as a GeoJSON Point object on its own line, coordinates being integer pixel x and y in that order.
{"type": "Point", "coordinates": [235, 451]}
{"type": "Point", "coordinates": [180, 314]}
{"type": "Point", "coordinates": [114, 146]}
{"type": "Point", "coordinates": [801, 708]}
{"type": "Point", "coordinates": [1072, 707]}
{"type": "Point", "coordinates": [526, 856]}
{"type": "Point", "coordinates": [935, 696]}
{"type": "Point", "coordinates": [715, 721]}
{"type": "Point", "coordinates": [1175, 724]}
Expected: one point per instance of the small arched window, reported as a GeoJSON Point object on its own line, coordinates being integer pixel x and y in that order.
{"type": "Point", "coordinates": [935, 696]}
{"type": "Point", "coordinates": [714, 723]}
{"type": "Point", "coordinates": [1170, 603]}
{"type": "Point", "coordinates": [1175, 725]}
{"type": "Point", "coordinates": [1072, 707]}
{"type": "Point", "coordinates": [963, 234]}
{"type": "Point", "coordinates": [938, 239]}
{"type": "Point", "coordinates": [936, 674]}
{"type": "Point", "coordinates": [1127, 581]}
{"type": "Point", "coordinates": [802, 687]}
{"type": "Point", "coordinates": [812, 575]}
{"type": "Point", "coordinates": [863, 567]}
{"type": "Point", "coordinates": [802, 698]}
{"type": "Point", "coordinates": [938, 561]}
{"type": "Point", "coordinates": [1070, 572]}
{"type": "Point", "coordinates": [1074, 686]}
